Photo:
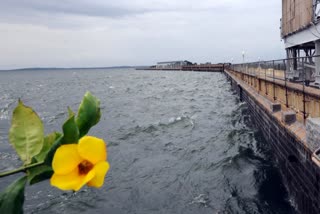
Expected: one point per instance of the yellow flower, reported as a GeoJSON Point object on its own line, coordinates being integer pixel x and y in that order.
{"type": "Point", "coordinates": [75, 165]}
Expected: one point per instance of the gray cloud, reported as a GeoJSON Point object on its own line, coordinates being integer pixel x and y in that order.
{"type": "Point", "coordinates": [27, 9]}
{"type": "Point", "coordinates": [70, 7]}
{"type": "Point", "coordinates": [105, 33]}
{"type": "Point", "coordinates": [62, 14]}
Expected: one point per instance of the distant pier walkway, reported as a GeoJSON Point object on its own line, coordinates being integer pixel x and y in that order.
{"type": "Point", "coordinates": [198, 68]}
{"type": "Point", "coordinates": [204, 68]}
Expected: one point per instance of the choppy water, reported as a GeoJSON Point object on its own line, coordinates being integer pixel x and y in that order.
{"type": "Point", "coordinates": [178, 142]}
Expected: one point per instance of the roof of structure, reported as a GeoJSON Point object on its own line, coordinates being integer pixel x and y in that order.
{"type": "Point", "coordinates": [172, 62]}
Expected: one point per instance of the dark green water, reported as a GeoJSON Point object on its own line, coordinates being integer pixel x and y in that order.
{"type": "Point", "coordinates": [178, 142]}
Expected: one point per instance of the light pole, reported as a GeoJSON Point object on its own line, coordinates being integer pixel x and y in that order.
{"type": "Point", "coordinates": [243, 54]}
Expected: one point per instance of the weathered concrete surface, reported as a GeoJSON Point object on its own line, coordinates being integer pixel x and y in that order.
{"type": "Point", "coordinates": [304, 99]}
{"type": "Point", "coordinates": [313, 133]}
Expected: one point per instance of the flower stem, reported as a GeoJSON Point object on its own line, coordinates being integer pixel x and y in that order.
{"type": "Point", "coordinates": [21, 169]}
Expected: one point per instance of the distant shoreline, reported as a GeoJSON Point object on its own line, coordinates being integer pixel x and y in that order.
{"type": "Point", "coordinates": [84, 68]}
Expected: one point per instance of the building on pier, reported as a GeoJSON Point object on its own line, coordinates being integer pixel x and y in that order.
{"type": "Point", "coordinates": [172, 64]}
{"type": "Point", "coordinates": [300, 30]}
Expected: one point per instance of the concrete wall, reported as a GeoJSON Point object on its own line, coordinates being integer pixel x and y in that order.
{"type": "Point", "coordinates": [304, 101]}
{"type": "Point", "coordinates": [291, 154]}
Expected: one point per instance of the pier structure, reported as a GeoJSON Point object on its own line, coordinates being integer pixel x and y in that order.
{"type": "Point", "coordinates": [270, 78]}
{"type": "Point", "coordinates": [288, 115]}
{"type": "Point", "coordinates": [205, 67]}
{"type": "Point", "coordinates": [208, 67]}
{"type": "Point", "coordinates": [300, 31]}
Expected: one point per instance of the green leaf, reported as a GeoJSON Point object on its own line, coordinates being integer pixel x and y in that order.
{"type": "Point", "coordinates": [70, 130]}
{"type": "Point", "coordinates": [48, 142]}
{"type": "Point", "coordinates": [54, 147]}
{"type": "Point", "coordinates": [39, 173]}
{"type": "Point", "coordinates": [70, 135]}
{"type": "Point", "coordinates": [26, 132]}
{"type": "Point", "coordinates": [88, 114]}
{"type": "Point", "coordinates": [11, 200]}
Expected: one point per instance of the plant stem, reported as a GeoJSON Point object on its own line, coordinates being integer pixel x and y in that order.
{"type": "Point", "coordinates": [21, 169]}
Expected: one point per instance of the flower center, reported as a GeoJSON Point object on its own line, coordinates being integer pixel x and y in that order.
{"type": "Point", "coordinates": [84, 167]}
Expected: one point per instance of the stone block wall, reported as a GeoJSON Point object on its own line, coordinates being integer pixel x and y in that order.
{"type": "Point", "coordinates": [300, 174]}
{"type": "Point", "coordinates": [313, 133]}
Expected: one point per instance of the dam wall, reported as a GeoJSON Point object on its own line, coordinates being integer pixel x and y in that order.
{"type": "Point", "coordinates": [292, 134]}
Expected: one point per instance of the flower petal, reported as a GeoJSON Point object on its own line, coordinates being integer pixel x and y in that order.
{"type": "Point", "coordinates": [71, 181]}
{"type": "Point", "coordinates": [92, 149]}
{"type": "Point", "coordinates": [66, 159]}
{"type": "Point", "coordinates": [101, 170]}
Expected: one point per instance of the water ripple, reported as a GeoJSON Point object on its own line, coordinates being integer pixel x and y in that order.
{"type": "Point", "coordinates": [178, 142]}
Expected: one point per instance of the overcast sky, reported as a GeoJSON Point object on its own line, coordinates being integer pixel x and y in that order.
{"type": "Point", "coordinates": [86, 33]}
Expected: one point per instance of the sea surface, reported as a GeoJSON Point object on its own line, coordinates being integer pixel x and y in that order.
{"type": "Point", "coordinates": [178, 142]}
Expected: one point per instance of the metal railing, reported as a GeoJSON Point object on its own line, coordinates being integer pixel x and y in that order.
{"type": "Point", "coordinates": [300, 70]}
